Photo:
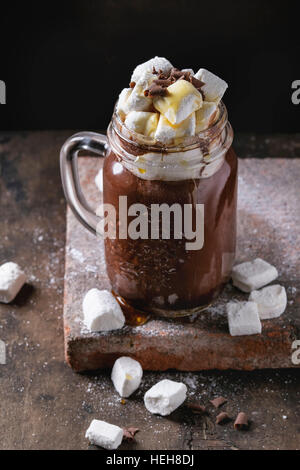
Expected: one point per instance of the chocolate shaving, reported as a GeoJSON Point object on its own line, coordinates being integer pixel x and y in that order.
{"type": "Point", "coordinates": [129, 433]}
{"type": "Point", "coordinates": [164, 82]}
{"type": "Point", "coordinates": [241, 423]}
{"type": "Point", "coordinates": [197, 83]}
{"type": "Point", "coordinates": [219, 401]}
{"type": "Point", "coordinates": [222, 418]}
{"type": "Point", "coordinates": [132, 84]}
{"type": "Point", "coordinates": [197, 408]}
{"type": "Point", "coordinates": [156, 90]}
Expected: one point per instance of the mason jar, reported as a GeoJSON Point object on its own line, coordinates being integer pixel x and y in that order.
{"type": "Point", "coordinates": [170, 236]}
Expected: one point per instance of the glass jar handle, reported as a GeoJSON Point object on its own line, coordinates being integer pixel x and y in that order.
{"type": "Point", "coordinates": [92, 142]}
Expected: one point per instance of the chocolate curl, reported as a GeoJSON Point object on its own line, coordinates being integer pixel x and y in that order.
{"type": "Point", "coordinates": [217, 402]}
{"type": "Point", "coordinates": [156, 90]}
{"type": "Point", "coordinates": [129, 433]}
{"type": "Point", "coordinates": [197, 83]}
{"type": "Point", "coordinates": [222, 418]}
{"type": "Point", "coordinates": [241, 422]}
{"type": "Point", "coordinates": [197, 408]}
{"type": "Point", "coordinates": [164, 82]}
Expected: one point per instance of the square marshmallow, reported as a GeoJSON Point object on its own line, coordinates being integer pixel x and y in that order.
{"type": "Point", "coordinates": [166, 132]}
{"type": "Point", "coordinates": [243, 318]}
{"type": "Point", "coordinates": [180, 102]}
{"type": "Point", "coordinates": [12, 280]}
{"type": "Point", "coordinates": [104, 434]}
{"type": "Point", "coordinates": [102, 311]}
{"type": "Point", "coordinates": [126, 376]}
{"type": "Point", "coordinates": [214, 87]}
{"type": "Point", "coordinates": [271, 301]}
{"type": "Point", "coordinates": [164, 397]}
{"type": "Point", "coordinates": [159, 63]}
{"type": "Point", "coordinates": [253, 275]}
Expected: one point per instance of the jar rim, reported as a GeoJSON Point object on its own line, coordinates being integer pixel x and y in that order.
{"type": "Point", "coordinates": [134, 139]}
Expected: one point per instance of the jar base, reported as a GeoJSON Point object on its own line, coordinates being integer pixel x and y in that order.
{"type": "Point", "coordinates": [136, 316]}
{"type": "Point", "coordinates": [186, 312]}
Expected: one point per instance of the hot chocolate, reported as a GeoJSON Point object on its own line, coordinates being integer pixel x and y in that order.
{"type": "Point", "coordinates": [169, 153]}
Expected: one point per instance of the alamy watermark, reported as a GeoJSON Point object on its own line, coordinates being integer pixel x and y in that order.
{"type": "Point", "coordinates": [2, 92]}
{"type": "Point", "coordinates": [296, 93]}
{"type": "Point", "coordinates": [296, 352]}
{"type": "Point", "coordinates": [159, 221]}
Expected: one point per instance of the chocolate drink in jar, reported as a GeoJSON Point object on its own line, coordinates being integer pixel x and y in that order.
{"type": "Point", "coordinates": [169, 191]}
{"type": "Point", "coordinates": [189, 161]}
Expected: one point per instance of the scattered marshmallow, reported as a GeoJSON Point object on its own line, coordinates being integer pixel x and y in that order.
{"type": "Point", "coordinates": [102, 311]}
{"type": "Point", "coordinates": [180, 102]}
{"type": "Point", "coordinates": [271, 301]}
{"type": "Point", "coordinates": [167, 132]}
{"type": "Point", "coordinates": [214, 87]}
{"type": "Point", "coordinates": [205, 115]}
{"type": "Point", "coordinates": [159, 63]}
{"type": "Point", "coordinates": [126, 376]}
{"type": "Point", "coordinates": [122, 107]}
{"type": "Point", "coordinates": [137, 100]}
{"type": "Point", "coordinates": [142, 122]}
{"type": "Point", "coordinates": [243, 318]}
{"type": "Point", "coordinates": [12, 279]}
{"type": "Point", "coordinates": [104, 435]}
{"type": "Point", "coordinates": [253, 275]}
{"type": "Point", "coordinates": [99, 180]}
{"type": "Point", "coordinates": [164, 397]}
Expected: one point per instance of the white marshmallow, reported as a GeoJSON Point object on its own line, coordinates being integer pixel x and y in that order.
{"type": "Point", "coordinates": [159, 63]}
{"type": "Point", "coordinates": [142, 122]}
{"type": "Point", "coordinates": [102, 311]}
{"type": "Point", "coordinates": [253, 275]}
{"type": "Point", "coordinates": [126, 376]}
{"type": "Point", "coordinates": [104, 435]}
{"type": "Point", "coordinates": [166, 132]}
{"type": "Point", "coordinates": [180, 102]}
{"type": "Point", "coordinates": [137, 100]}
{"type": "Point", "coordinates": [164, 397]}
{"type": "Point", "coordinates": [99, 180]}
{"type": "Point", "coordinates": [12, 279]}
{"type": "Point", "coordinates": [122, 108]}
{"type": "Point", "coordinates": [189, 70]}
{"type": "Point", "coordinates": [214, 87]}
{"type": "Point", "coordinates": [271, 301]}
{"type": "Point", "coordinates": [205, 115]}
{"type": "Point", "coordinates": [243, 318]}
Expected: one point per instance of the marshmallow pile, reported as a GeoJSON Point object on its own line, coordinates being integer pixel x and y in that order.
{"type": "Point", "coordinates": [244, 318]}
{"type": "Point", "coordinates": [163, 398]}
{"type": "Point", "coordinates": [166, 104]}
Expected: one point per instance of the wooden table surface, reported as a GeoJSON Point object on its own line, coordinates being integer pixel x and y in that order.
{"type": "Point", "coordinates": [44, 405]}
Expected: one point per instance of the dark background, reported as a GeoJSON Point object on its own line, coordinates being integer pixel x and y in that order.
{"type": "Point", "coordinates": [64, 63]}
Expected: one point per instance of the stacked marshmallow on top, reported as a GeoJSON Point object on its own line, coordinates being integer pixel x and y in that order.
{"type": "Point", "coordinates": [180, 112]}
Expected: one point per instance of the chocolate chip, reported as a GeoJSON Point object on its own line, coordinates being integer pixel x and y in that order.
{"type": "Point", "coordinates": [241, 423]}
{"type": "Point", "coordinates": [177, 74]}
{"type": "Point", "coordinates": [197, 408]}
{"type": "Point", "coordinates": [129, 433]}
{"type": "Point", "coordinates": [132, 84]}
{"type": "Point", "coordinates": [197, 83]}
{"type": "Point", "coordinates": [217, 402]}
{"type": "Point", "coordinates": [222, 418]}
{"type": "Point", "coordinates": [156, 90]}
{"type": "Point", "coordinates": [165, 82]}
